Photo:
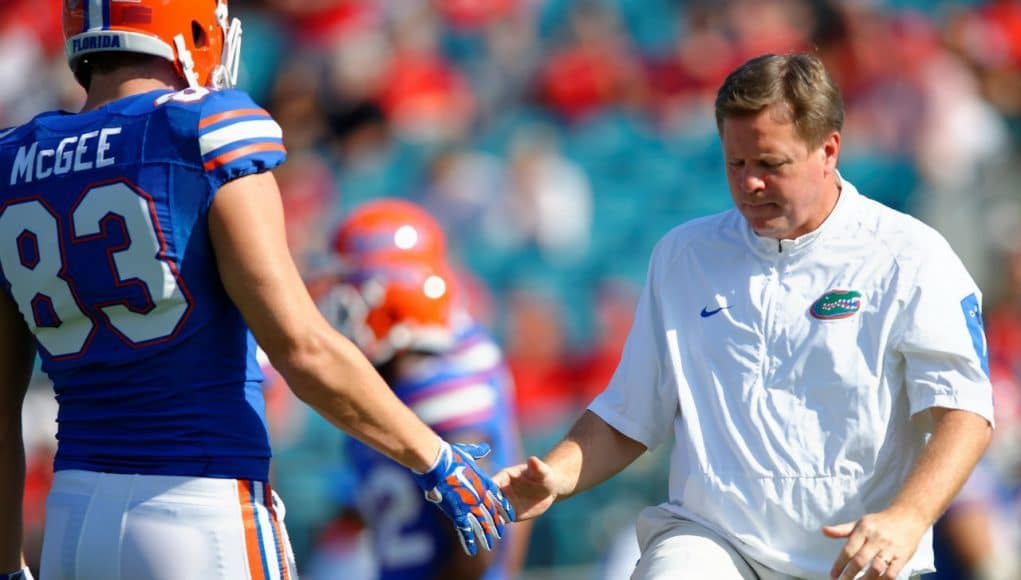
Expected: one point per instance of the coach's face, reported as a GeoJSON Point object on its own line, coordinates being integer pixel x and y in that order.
{"type": "Point", "coordinates": [781, 186]}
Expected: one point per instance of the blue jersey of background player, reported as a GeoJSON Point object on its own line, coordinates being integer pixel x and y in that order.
{"type": "Point", "coordinates": [397, 298]}
{"type": "Point", "coordinates": [105, 249]}
{"type": "Point", "coordinates": [463, 394]}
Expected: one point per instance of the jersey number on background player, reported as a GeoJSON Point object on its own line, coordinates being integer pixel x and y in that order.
{"type": "Point", "coordinates": [394, 502]}
{"type": "Point", "coordinates": [33, 258]}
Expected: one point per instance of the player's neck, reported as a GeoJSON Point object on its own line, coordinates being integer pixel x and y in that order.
{"type": "Point", "coordinates": [128, 81]}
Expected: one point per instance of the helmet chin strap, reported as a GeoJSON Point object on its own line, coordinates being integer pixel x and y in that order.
{"type": "Point", "coordinates": [231, 55]}
{"type": "Point", "coordinates": [225, 74]}
{"type": "Point", "coordinates": [187, 63]}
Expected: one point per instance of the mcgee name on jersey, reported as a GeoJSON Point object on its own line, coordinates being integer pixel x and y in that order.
{"type": "Point", "coordinates": [71, 154]}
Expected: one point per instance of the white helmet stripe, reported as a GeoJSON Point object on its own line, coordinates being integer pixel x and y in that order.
{"type": "Point", "coordinates": [97, 15]}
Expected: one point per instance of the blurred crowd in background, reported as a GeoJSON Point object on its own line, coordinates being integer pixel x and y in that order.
{"type": "Point", "coordinates": [556, 141]}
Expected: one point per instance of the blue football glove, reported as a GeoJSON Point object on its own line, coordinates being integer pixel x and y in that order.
{"type": "Point", "coordinates": [459, 488]}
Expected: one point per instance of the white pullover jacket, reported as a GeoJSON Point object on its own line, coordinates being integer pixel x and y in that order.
{"type": "Point", "coordinates": [791, 373]}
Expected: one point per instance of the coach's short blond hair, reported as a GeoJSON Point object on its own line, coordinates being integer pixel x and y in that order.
{"type": "Point", "coordinates": [799, 82]}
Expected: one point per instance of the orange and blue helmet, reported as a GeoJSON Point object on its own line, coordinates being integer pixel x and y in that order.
{"type": "Point", "coordinates": [195, 35]}
{"type": "Point", "coordinates": [389, 304]}
{"type": "Point", "coordinates": [389, 226]}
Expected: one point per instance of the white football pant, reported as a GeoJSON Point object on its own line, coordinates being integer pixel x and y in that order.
{"type": "Point", "coordinates": [153, 527]}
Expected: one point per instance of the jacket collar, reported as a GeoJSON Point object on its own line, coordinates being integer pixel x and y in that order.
{"type": "Point", "coordinates": [836, 221]}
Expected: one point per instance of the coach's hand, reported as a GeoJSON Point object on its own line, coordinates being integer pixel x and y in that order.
{"type": "Point", "coordinates": [530, 487]}
{"type": "Point", "coordinates": [879, 543]}
{"type": "Point", "coordinates": [466, 495]}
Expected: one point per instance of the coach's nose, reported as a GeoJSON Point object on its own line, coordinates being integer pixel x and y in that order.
{"type": "Point", "coordinates": [752, 182]}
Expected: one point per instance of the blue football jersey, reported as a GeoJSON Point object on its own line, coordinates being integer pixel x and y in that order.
{"type": "Point", "coordinates": [464, 395]}
{"type": "Point", "coordinates": [105, 248]}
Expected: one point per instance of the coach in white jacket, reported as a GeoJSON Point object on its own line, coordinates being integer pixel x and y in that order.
{"type": "Point", "coordinates": [818, 359]}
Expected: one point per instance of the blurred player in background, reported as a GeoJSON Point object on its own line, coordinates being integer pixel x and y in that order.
{"type": "Point", "coordinates": [818, 358]}
{"type": "Point", "coordinates": [140, 240]}
{"type": "Point", "coordinates": [397, 298]}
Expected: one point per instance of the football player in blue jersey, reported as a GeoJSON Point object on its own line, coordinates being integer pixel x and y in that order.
{"type": "Point", "coordinates": [399, 301]}
{"type": "Point", "coordinates": [141, 248]}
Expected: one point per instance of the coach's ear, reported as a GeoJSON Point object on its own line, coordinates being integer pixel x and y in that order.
{"type": "Point", "coordinates": [831, 152]}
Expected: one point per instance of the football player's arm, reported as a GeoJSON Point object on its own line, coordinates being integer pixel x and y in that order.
{"type": "Point", "coordinates": [590, 453]}
{"type": "Point", "coordinates": [323, 368]}
{"type": "Point", "coordinates": [17, 352]}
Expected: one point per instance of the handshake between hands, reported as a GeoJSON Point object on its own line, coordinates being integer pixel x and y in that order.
{"type": "Point", "coordinates": [466, 495]}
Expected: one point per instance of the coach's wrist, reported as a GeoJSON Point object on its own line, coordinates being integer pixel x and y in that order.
{"type": "Point", "coordinates": [23, 574]}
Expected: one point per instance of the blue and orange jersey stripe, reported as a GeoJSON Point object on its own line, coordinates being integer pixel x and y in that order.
{"type": "Point", "coordinates": [234, 154]}
{"type": "Point", "coordinates": [253, 113]}
{"type": "Point", "coordinates": [230, 135]}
